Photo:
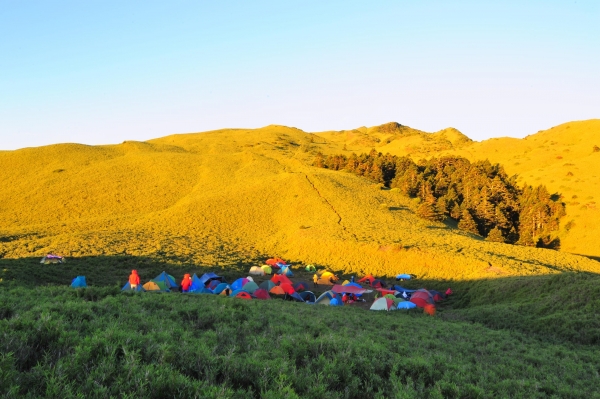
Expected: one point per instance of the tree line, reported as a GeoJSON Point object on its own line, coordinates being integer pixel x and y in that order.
{"type": "Point", "coordinates": [479, 195]}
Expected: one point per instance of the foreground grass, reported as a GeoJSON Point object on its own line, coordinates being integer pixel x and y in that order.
{"type": "Point", "coordinates": [59, 342]}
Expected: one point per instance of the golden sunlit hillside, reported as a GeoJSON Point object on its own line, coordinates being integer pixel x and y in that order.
{"type": "Point", "coordinates": [237, 195]}
{"type": "Point", "coordinates": [565, 158]}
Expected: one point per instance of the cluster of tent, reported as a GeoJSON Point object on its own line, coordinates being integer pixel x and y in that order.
{"type": "Point", "coordinates": [394, 297]}
{"type": "Point", "coordinates": [51, 258]}
{"type": "Point", "coordinates": [272, 266]}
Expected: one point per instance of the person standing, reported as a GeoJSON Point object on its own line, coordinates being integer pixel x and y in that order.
{"type": "Point", "coordinates": [316, 280]}
{"type": "Point", "coordinates": [134, 280]}
{"type": "Point", "coordinates": [186, 283]}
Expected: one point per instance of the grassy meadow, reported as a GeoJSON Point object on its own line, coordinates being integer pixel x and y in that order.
{"type": "Point", "coordinates": [522, 324]}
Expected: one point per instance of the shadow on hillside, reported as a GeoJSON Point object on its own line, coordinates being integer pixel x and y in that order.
{"type": "Point", "coordinates": [106, 270]}
{"type": "Point", "coordinates": [596, 258]}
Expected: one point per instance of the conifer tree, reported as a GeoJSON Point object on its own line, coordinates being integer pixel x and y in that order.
{"type": "Point", "coordinates": [495, 235]}
{"type": "Point", "coordinates": [428, 211]}
{"type": "Point", "coordinates": [467, 223]}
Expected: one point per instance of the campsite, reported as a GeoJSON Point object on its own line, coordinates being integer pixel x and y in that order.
{"type": "Point", "coordinates": [223, 347]}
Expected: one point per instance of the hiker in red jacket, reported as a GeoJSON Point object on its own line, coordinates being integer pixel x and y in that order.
{"type": "Point", "coordinates": [134, 280]}
{"type": "Point", "coordinates": [186, 283]}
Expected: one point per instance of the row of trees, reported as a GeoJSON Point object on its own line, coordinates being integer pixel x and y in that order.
{"type": "Point", "coordinates": [479, 195]}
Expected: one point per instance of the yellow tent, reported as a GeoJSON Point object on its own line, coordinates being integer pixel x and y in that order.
{"type": "Point", "coordinates": [346, 282]}
{"type": "Point", "coordinates": [151, 286]}
{"type": "Point", "coordinates": [267, 269]}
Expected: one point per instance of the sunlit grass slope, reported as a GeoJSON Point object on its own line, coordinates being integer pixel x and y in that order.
{"type": "Point", "coordinates": [562, 158]}
{"type": "Point", "coordinates": [234, 196]}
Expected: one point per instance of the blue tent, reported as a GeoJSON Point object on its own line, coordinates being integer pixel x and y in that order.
{"type": "Point", "coordinates": [285, 270]}
{"type": "Point", "coordinates": [196, 284]}
{"type": "Point", "coordinates": [403, 277]}
{"type": "Point", "coordinates": [401, 289]}
{"type": "Point", "coordinates": [405, 305]}
{"type": "Point", "coordinates": [353, 285]}
{"type": "Point", "coordinates": [336, 302]}
{"type": "Point", "coordinates": [127, 287]}
{"type": "Point", "coordinates": [239, 283]}
{"type": "Point", "coordinates": [308, 296]}
{"type": "Point", "coordinates": [206, 277]}
{"type": "Point", "coordinates": [167, 279]}
{"type": "Point", "coordinates": [219, 288]}
{"type": "Point", "coordinates": [296, 296]}
{"type": "Point", "coordinates": [79, 282]}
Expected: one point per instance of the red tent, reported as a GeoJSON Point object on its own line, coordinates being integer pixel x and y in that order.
{"type": "Point", "coordinates": [377, 284]}
{"type": "Point", "coordinates": [280, 278]}
{"type": "Point", "coordinates": [421, 298]}
{"type": "Point", "coordinates": [301, 286]}
{"type": "Point", "coordinates": [365, 278]}
{"type": "Point", "coordinates": [340, 289]}
{"type": "Point", "coordinates": [287, 288]}
{"type": "Point", "coordinates": [438, 298]}
{"type": "Point", "coordinates": [385, 292]}
{"type": "Point", "coordinates": [274, 261]}
{"type": "Point", "coordinates": [261, 294]}
{"type": "Point", "coordinates": [243, 295]}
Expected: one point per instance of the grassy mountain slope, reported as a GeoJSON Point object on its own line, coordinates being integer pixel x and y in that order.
{"type": "Point", "coordinates": [234, 196]}
{"type": "Point", "coordinates": [562, 158]}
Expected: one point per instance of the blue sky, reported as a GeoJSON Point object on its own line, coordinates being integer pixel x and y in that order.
{"type": "Point", "coordinates": [104, 72]}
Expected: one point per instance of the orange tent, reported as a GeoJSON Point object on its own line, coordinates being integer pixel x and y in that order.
{"type": "Point", "coordinates": [277, 290]}
{"type": "Point", "coordinates": [243, 295]}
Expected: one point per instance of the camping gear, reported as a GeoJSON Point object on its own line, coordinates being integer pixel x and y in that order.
{"type": "Point", "coordinates": [301, 286]}
{"type": "Point", "coordinates": [308, 297]}
{"type": "Point", "coordinates": [266, 269]}
{"type": "Point", "coordinates": [310, 268]}
{"type": "Point", "coordinates": [234, 293]}
{"type": "Point", "coordinates": [156, 286]}
{"type": "Point", "coordinates": [341, 289]}
{"type": "Point", "coordinates": [378, 284]}
{"type": "Point", "coordinates": [401, 289]}
{"type": "Point", "coordinates": [274, 261]}
{"type": "Point", "coordinates": [326, 278]}
{"type": "Point", "coordinates": [280, 278]}
{"type": "Point", "coordinates": [243, 295]}
{"type": "Point", "coordinates": [369, 277]}
{"type": "Point", "coordinates": [214, 284]}
{"type": "Point", "coordinates": [346, 282]}
{"type": "Point", "coordinates": [261, 294]}
{"type": "Point", "coordinates": [403, 277]}
{"type": "Point", "coordinates": [267, 285]}
{"type": "Point", "coordinates": [219, 288]}
{"type": "Point", "coordinates": [127, 287]}
{"type": "Point", "coordinates": [51, 258]}
{"type": "Point", "coordinates": [285, 270]}
{"type": "Point", "coordinates": [250, 287]}
{"type": "Point", "coordinates": [336, 302]}
{"type": "Point", "coordinates": [295, 296]}
{"type": "Point", "coordinates": [405, 305]}
{"type": "Point", "coordinates": [167, 279]}
{"type": "Point", "coordinates": [257, 271]}
{"type": "Point", "coordinates": [287, 288]}
{"type": "Point", "coordinates": [421, 298]}
{"type": "Point", "coordinates": [277, 290]}
{"type": "Point", "coordinates": [239, 283]}
{"type": "Point", "coordinates": [207, 277]}
{"type": "Point", "coordinates": [448, 292]}
{"type": "Point", "coordinates": [79, 282]}
{"type": "Point", "coordinates": [383, 304]}
{"type": "Point", "coordinates": [326, 297]}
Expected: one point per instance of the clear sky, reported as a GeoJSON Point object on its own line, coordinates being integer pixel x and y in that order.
{"type": "Point", "coordinates": [107, 71]}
